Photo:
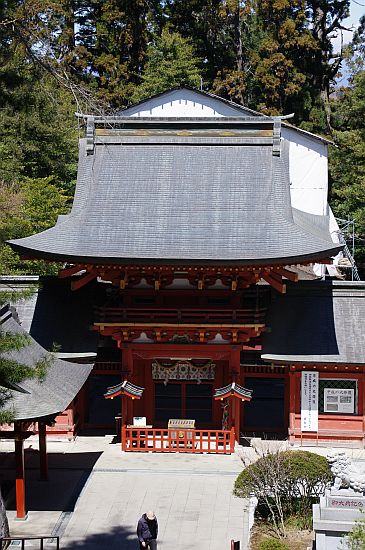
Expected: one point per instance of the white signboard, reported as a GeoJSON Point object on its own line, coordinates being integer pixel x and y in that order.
{"type": "Point", "coordinates": [139, 421]}
{"type": "Point", "coordinates": [338, 400]}
{"type": "Point", "coordinates": [309, 402]}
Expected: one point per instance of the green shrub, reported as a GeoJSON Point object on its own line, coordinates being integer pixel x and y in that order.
{"type": "Point", "coordinates": [286, 484]}
{"type": "Point", "coordinates": [356, 537]}
{"type": "Point", "coordinates": [273, 544]}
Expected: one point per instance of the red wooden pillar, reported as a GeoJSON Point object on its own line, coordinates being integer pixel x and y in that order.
{"type": "Point", "coordinates": [128, 365]}
{"type": "Point", "coordinates": [234, 367]}
{"type": "Point", "coordinates": [43, 458]}
{"type": "Point", "coordinates": [19, 472]}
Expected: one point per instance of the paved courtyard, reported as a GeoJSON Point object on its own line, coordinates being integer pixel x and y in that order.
{"type": "Point", "coordinates": [95, 495]}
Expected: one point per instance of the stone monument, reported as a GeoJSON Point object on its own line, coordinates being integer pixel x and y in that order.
{"type": "Point", "coordinates": [341, 506]}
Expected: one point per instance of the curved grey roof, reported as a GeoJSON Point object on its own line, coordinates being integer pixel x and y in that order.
{"type": "Point", "coordinates": [143, 197]}
{"type": "Point", "coordinates": [317, 322]}
{"type": "Point", "coordinates": [34, 398]}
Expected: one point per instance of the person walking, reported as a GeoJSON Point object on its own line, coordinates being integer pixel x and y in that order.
{"type": "Point", "coordinates": [147, 530]}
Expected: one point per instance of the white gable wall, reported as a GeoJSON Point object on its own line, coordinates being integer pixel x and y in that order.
{"type": "Point", "coordinates": [308, 167]}
{"type": "Point", "coordinates": [184, 103]}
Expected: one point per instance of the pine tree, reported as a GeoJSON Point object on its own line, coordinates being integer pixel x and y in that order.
{"type": "Point", "coordinates": [170, 63]}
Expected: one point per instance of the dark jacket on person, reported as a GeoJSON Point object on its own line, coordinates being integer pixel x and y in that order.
{"type": "Point", "coordinates": [147, 529]}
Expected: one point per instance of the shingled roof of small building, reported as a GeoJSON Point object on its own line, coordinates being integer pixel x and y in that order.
{"type": "Point", "coordinates": [212, 190]}
{"type": "Point", "coordinates": [317, 322]}
{"type": "Point", "coordinates": [34, 399]}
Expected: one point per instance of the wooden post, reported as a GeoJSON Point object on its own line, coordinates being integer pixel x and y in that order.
{"type": "Point", "coordinates": [292, 394]}
{"type": "Point", "coordinates": [234, 364]}
{"type": "Point", "coordinates": [237, 424]}
{"type": "Point", "coordinates": [19, 472]}
{"type": "Point", "coordinates": [232, 440]}
{"type": "Point", "coordinates": [128, 402]}
{"type": "Point", "coordinates": [43, 458]}
{"type": "Point", "coordinates": [123, 410]}
{"type": "Point", "coordinates": [123, 438]}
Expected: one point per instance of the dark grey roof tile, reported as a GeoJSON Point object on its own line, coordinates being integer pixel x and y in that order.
{"type": "Point", "coordinates": [317, 322]}
{"type": "Point", "coordinates": [45, 397]}
{"type": "Point", "coordinates": [182, 203]}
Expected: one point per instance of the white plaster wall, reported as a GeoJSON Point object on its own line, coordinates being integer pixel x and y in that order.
{"type": "Point", "coordinates": [184, 103]}
{"type": "Point", "coordinates": [308, 167]}
{"type": "Point", "coordinates": [334, 229]}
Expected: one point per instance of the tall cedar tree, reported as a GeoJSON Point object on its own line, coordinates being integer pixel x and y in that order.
{"type": "Point", "coordinates": [38, 136]}
{"type": "Point", "coordinates": [326, 21]}
{"type": "Point", "coordinates": [280, 78]}
{"type": "Point", "coordinates": [111, 44]}
{"type": "Point", "coordinates": [347, 161]}
{"type": "Point", "coordinates": [204, 23]}
{"type": "Point", "coordinates": [234, 80]}
{"type": "Point", "coordinates": [273, 54]}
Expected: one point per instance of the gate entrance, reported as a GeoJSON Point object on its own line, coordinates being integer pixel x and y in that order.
{"type": "Point", "coordinates": [183, 400]}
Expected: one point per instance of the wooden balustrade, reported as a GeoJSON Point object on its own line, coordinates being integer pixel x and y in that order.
{"type": "Point", "coordinates": [177, 441]}
{"type": "Point", "coordinates": [169, 315]}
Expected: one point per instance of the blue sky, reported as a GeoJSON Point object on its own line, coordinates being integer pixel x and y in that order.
{"type": "Point", "coordinates": [356, 11]}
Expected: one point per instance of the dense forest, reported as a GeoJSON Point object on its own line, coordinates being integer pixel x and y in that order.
{"type": "Point", "coordinates": [96, 56]}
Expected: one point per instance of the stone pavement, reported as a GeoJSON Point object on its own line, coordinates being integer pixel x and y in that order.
{"type": "Point", "coordinates": [96, 493]}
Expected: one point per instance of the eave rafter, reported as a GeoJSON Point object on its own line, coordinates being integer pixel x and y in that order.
{"type": "Point", "coordinates": [201, 277]}
{"type": "Point", "coordinates": [167, 332]}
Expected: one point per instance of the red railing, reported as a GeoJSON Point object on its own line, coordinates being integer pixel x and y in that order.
{"type": "Point", "coordinates": [163, 315]}
{"type": "Point", "coordinates": [177, 441]}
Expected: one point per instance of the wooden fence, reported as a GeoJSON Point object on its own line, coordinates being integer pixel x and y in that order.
{"type": "Point", "coordinates": [177, 441]}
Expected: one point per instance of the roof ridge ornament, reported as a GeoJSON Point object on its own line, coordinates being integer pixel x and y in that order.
{"type": "Point", "coordinates": [276, 146]}
{"type": "Point", "coordinates": [90, 135]}
{"type": "Point", "coordinates": [276, 138]}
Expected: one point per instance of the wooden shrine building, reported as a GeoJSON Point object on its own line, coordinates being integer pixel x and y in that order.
{"type": "Point", "coordinates": [36, 403]}
{"type": "Point", "coordinates": [191, 214]}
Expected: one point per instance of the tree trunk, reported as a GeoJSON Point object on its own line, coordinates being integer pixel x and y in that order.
{"type": "Point", "coordinates": [4, 525]}
{"type": "Point", "coordinates": [238, 38]}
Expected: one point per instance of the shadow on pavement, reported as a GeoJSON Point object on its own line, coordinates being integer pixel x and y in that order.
{"type": "Point", "coordinates": [67, 476]}
{"type": "Point", "coordinates": [117, 538]}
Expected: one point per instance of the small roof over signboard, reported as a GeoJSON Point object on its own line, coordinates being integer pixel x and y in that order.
{"type": "Point", "coordinates": [124, 388]}
{"type": "Point", "coordinates": [234, 390]}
